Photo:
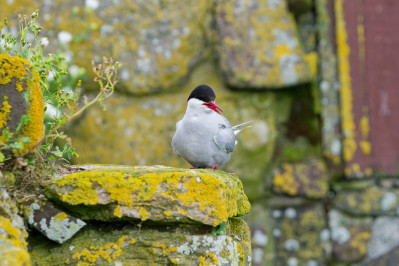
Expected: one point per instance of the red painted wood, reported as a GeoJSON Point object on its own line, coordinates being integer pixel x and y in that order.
{"type": "Point", "coordinates": [374, 70]}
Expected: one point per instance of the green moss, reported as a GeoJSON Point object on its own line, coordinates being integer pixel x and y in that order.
{"type": "Point", "coordinates": [130, 245]}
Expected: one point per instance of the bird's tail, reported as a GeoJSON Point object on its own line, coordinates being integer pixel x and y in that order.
{"type": "Point", "coordinates": [238, 128]}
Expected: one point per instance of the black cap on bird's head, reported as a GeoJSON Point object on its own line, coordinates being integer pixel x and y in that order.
{"type": "Point", "coordinates": [207, 95]}
{"type": "Point", "coordinates": [203, 93]}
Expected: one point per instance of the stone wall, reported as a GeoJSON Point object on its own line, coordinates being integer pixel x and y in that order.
{"type": "Point", "coordinates": [274, 61]}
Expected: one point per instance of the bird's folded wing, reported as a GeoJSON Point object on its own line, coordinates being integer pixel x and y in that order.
{"type": "Point", "coordinates": [224, 138]}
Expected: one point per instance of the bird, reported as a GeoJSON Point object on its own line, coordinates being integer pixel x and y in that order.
{"type": "Point", "coordinates": [204, 137]}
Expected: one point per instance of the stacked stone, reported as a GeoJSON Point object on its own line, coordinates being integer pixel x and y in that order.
{"type": "Point", "coordinates": [141, 215]}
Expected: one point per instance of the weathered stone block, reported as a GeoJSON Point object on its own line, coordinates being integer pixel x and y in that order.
{"type": "Point", "coordinates": [55, 224]}
{"type": "Point", "coordinates": [258, 45]}
{"type": "Point", "coordinates": [308, 179]}
{"type": "Point", "coordinates": [157, 193]}
{"type": "Point", "coordinates": [300, 235]}
{"type": "Point", "coordinates": [373, 200]}
{"type": "Point", "coordinates": [384, 237]}
{"type": "Point", "coordinates": [158, 43]}
{"type": "Point", "coordinates": [130, 245]}
{"type": "Point", "coordinates": [13, 246]}
{"type": "Point", "coordinates": [350, 236]}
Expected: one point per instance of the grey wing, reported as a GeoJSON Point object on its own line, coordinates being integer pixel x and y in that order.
{"type": "Point", "coordinates": [224, 138]}
{"type": "Point", "coordinates": [178, 125]}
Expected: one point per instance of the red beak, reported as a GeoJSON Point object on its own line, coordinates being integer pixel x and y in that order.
{"type": "Point", "coordinates": [212, 105]}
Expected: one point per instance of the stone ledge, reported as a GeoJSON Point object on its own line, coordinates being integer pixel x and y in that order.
{"type": "Point", "coordinates": [153, 193]}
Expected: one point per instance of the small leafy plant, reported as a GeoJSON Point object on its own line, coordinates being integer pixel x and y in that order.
{"type": "Point", "coordinates": [65, 102]}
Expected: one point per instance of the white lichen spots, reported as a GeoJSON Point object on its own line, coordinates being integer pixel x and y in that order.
{"type": "Point", "coordinates": [144, 65]}
{"type": "Point", "coordinates": [118, 263]}
{"type": "Point", "coordinates": [71, 248]}
{"type": "Point", "coordinates": [290, 213]}
{"type": "Point", "coordinates": [33, 207]}
{"type": "Point", "coordinates": [312, 262]}
{"type": "Point", "coordinates": [287, 68]}
{"type": "Point", "coordinates": [324, 86]}
{"type": "Point", "coordinates": [276, 232]}
{"type": "Point", "coordinates": [340, 234]}
{"type": "Point", "coordinates": [60, 230]}
{"type": "Point", "coordinates": [384, 236]}
{"type": "Point", "coordinates": [223, 247]}
{"type": "Point", "coordinates": [186, 30]}
{"type": "Point", "coordinates": [10, 2]}
{"type": "Point", "coordinates": [167, 55]}
{"type": "Point", "coordinates": [257, 254]}
{"type": "Point", "coordinates": [125, 74]}
{"type": "Point", "coordinates": [388, 201]}
{"type": "Point", "coordinates": [283, 37]}
{"type": "Point", "coordinates": [336, 147]}
{"type": "Point", "coordinates": [277, 214]}
{"type": "Point", "coordinates": [292, 261]}
{"type": "Point", "coordinates": [259, 238]}
{"type": "Point", "coordinates": [176, 43]}
{"type": "Point", "coordinates": [106, 29]}
{"type": "Point", "coordinates": [273, 4]}
{"type": "Point", "coordinates": [325, 235]}
{"type": "Point", "coordinates": [198, 179]}
{"type": "Point", "coordinates": [291, 245]}
{"type": "Point", "coordinates": [93, 4]}
{"type": "Point", "coordinates": [64, 37]}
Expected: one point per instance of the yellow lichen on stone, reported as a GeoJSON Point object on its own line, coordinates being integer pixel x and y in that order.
{"type": "Point", "coordinates": [132, 192]}
{"type": "Point", "coordinates": [143, 214]}
{"type": "Point", "coordinates": [360, 242]}
{"type": "Point", "coordinates": [14, 239]}
{"type": "Point", "coordinates": [61, 216]}
{"type": "Point", "coordinates": [34, 130]}
{"type": "Point", "coordinates": [5, 113]}
{"type": "Point", "coordinates": [312, 59]}
{"type": "Point", "coordinates": [13, 67]}
{"type": "Point", "coordinates": [109, 252]}
{"type": "Point", "coordinates": [343, 50]}
{"type": "Point", "coordinates": [285, 181]}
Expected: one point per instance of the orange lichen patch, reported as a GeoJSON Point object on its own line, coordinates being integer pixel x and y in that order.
{"type": "Point", "coordinates": [34, 130]}
{"type": "Point", "coordinates": [5, 113]}
{"type": "Point", "coordinates": [12, 67]}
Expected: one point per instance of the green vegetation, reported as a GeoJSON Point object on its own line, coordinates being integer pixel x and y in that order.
{"type": "Point", "coordinates": [61, 92]}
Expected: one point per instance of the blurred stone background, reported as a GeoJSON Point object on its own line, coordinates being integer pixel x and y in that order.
{"type": "Point", "coordinates": [320, 163]}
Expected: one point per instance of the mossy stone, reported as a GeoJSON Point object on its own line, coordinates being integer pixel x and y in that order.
{"type": "Point", "coordinates": [258, 45]}
{"type": "Point", "coordinates": [132, 245]}
{"type": "Point", "coordinates": [158, 194]}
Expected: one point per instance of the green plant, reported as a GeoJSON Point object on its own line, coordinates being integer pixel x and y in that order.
{"type": "Point", "coordinates": [65, 102]}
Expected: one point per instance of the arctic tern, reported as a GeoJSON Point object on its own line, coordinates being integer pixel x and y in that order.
{"type": "Point", "coordinates": [204, 137]}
